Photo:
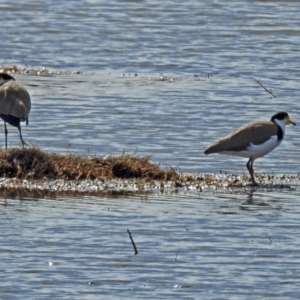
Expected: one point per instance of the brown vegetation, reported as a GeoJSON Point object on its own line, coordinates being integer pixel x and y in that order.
{"type": "Point", "coordinates": [32, 163]}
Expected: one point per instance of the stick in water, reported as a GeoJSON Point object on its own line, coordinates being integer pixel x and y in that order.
{"type": "Point", "coordinates": [132, 242]}
{"type": "Point", "coordinates": [267, 90]}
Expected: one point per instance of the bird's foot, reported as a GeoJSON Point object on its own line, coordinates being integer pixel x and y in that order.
{"type": "Point", "coordinates": [24, 144]}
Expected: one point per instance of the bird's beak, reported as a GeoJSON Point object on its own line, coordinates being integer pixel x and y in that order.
{"type": "Point", "coordinates": [289, 121]}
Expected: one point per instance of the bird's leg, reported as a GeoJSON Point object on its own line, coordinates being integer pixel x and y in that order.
{"type": "Point", "coordinates": [22, 141]}
{"type": "Point", "coordinates": [250, 169]}
{"type": "Point", "coordinates": [5, 131]}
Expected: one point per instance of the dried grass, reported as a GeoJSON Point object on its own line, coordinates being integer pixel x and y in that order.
{"type": "Point", "coordinates": [33, 163]}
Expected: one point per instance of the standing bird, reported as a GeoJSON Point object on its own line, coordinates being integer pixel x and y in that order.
{"type": "Point", "coordinates": [15, 104]}
{"type": "Point", "coordinates": [253, 140]}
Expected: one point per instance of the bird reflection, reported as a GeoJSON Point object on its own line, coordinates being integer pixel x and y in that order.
{"type": "Point", "coordinates": [250, 196]}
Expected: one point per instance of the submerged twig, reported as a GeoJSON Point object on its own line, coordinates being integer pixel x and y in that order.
{"type": "Point", "coordinates": [176, 256]}
{"type": "Point", "coordinates": [267, 90]}
{"type": "Point", "coordinates": [132, 242]}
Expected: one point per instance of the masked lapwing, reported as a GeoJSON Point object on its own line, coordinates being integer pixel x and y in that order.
{"type": "Point", "coordinates": [15, 104]}
{"type": "Point", "coordinates": [253, 140]}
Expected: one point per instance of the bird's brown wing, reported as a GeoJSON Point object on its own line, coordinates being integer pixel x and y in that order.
{"type": "Point", "coordinates": [255, 133]}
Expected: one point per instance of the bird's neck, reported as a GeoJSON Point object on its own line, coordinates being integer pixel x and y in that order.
{"type": "Point", "coordinates": [4, 81]}
{"type": "Point", "coordinates": [281, 128]}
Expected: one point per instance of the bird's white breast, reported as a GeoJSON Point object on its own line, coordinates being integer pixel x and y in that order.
{"type": "Point", "coordinates": [256, 151]}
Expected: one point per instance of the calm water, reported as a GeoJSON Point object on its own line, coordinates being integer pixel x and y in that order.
{"type": "Point", "coordinates": [191, 246]}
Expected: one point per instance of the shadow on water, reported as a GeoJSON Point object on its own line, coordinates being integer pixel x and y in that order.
{"type": "Point", "coordinates": [251, 196]}
{"type": "Point", "coordinates": [36, 194]}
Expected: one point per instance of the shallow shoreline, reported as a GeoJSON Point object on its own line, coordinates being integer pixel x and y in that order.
{"type": "Point", "coordinates": [31, 171]}
{"type": "Point", "coordinates": [12, 187]}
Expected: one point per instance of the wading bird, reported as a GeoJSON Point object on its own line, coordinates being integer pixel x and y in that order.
{"type": "Point", "coordinates": [15, 104]}
{"type": "Point", "coordinates": [253, 140]}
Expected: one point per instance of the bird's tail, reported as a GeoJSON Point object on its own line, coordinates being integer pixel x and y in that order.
{"type": "Point", "coordinates": [13, 121]}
